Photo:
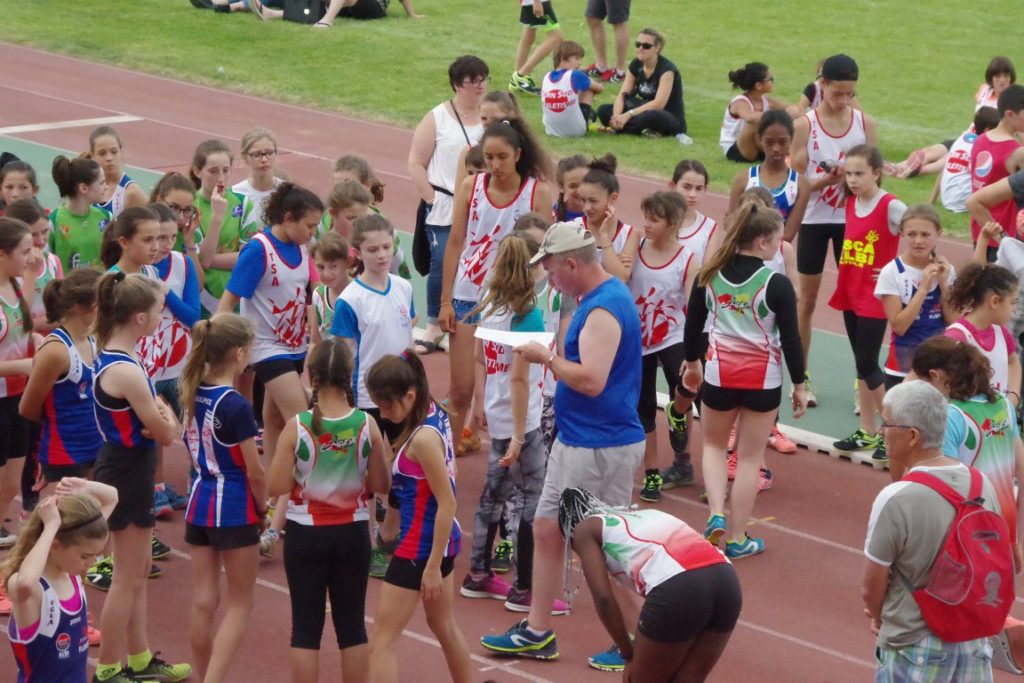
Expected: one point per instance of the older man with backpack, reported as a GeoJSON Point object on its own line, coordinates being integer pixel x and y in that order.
{"type": "Point", "coordinates": [938, 580]}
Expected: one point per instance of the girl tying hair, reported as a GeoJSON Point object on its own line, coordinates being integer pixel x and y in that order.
{"type": "Point", "coordinates": [423, 484]}
{"type": "Point", "coordinates": [228, 500]}
{"type": "Point", "coordinates": [330, 459]}
{"type": "Point", "coordinates": [121, 191]}
{"type": "Point", "coordinates": [76, 228]}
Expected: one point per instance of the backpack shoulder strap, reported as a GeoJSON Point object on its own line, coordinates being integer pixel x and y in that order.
{"type": "Point", "coordinates": [942, 488]}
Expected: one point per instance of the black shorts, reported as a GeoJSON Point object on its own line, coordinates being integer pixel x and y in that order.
{"type": "Point", "coordinates": [734, 154]}
{"type": "Point", "coordinates": [409, 573]}
{"type": "Point", "coordinates": [267, 370]}
{"type": "Point", "coordinates": [948, 144]}
{"type": "Point", "coordinates": [390, 430]}
{"type": "Point", "coordinates": [222, 537]}
{"type": "Point", "coordinates": [812, 246]}
{"type": "Point", "coordinates": [547, 21]}
{"type": "Point", "coordinates": [132, 472]}
{"type": "Point", "coordinates": [54, 473]}
{"type": "Point", "coordinates": [615, 11]}
{"type": "Point", "coordinates": [366, 9]}
{"type": "Point", "coordinates": [14, 430]}
{"type": "Point", "coordinates": [758, 400]}
{"type": "Point", "coordinates": [682, 607]}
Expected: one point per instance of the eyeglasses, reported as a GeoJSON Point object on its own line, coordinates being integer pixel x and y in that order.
{"type": "Point", "coordinates": [188, 212]}
{"type": "Point", "coordinates": [266, 154]}
{"type": "Point", "coordinates": [644, 46]}
{"type": "Point", "coordinates": [475, 81]}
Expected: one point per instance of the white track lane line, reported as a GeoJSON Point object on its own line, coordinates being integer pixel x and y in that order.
{"type": "Point", "coordinates": [75, 123]}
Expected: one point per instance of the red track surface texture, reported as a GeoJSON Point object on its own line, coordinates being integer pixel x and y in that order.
{"type": "Point", "coordinates": [801, 619]}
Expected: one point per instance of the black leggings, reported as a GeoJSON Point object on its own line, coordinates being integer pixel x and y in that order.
{"type": "Point", "coordinates": [322, 561]}
{"type": "Point", "coordinates": [670, 359]}
{"type": "Point", "coordinates": [866, 336]}
{"type": "Point", "coordinates": [655, 120]}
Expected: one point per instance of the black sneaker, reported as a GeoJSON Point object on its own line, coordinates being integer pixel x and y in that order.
{"type": "Point", "coordinates": [501, 563]}
{"type": "Point", "coordinates": [101, 574]}
{"type": "Point", "coordinates": [678, 429]}
{"type": "Point", "coordinates": [160, 549]}
{"type": "Point", "coordinates": [122, 676]}
{"type": "Point", "coordinates": [677, 475]}
{"type": "Point", "coordinates": [650, 492]}
{"type": "Point", "coordinates": [880, 456]}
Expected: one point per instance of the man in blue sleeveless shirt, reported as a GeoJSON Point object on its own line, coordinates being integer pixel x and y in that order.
{"type": "Point", "coordinates": [600, 440]}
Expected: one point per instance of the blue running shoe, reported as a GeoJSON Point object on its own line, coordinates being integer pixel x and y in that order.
{"type": "Point", "coordinates": [161, 504]}
{"type": "Point", "coordinates": [749, 546]}
{"type": "Point", "coordinates": [609, 660]}
{"type": "Point", "coordinates": [177, 501]}
{"type": "Point", "coordinates": [715, 528]}
{"type": "Point", "coordinates": [519, 641]}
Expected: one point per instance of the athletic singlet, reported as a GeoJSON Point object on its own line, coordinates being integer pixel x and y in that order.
{"type": "Point", "coordinates": [417, 505]}
{"type": "Point", "coordinates": [117, 422]}
{"type": "Point", "coordinates": [868, 244]}
{"type": "Point", "coordinates": [277, 308]}
{"type": "Point", "coordinates": [69, 434]}
{"type": "Point", "coordinates": [998, 356]}
{"type": "Point", "coordinates": [784, 195]}
{"type": "Point", "coordinates": [165, 351]}
{"type": "Point", "coordinates": [778, 262]}
{"type": "Point", "coordinates": [660, 296]}
{"type": "Point", "coordinates": [697, 236]}
{"type": "Point", "coordinates": [56, 648]}
{"type": "Point", "coordinates": [15, 344]}
{"type": "Point", "coordinates": [498, 367]}
{"type": "Point", "coordinates": [744, 351]}
{"type": "Point", "coordinates": [330, 470]}
{"type": "Point", "coordinates": [988, 166]}
{"type": "Point", "coordinates": [560, 107]}
{"type": "Point", "coordinates": [645, 548]}
{"type": "Point", "coordinates": [826, 205]}
{"type": "Point", "coordinates": [323, 308]}
{"type": "Point", "coordinates": [442, 169]}
{"type": "Point", "coordinates": [486, 226]}
{"type": "Point", "coordinates": [955, 182]}
{"type": "Point", "coordinates": [221, 496]}
{"type": "Point", "coordinates": [985, 97]}
{"type": "Point", "coordinates": [76, 239]}
{"type": "Point", "coordinates": [622, 233]}
{"type": "Point", "coordinates": [230, 240]}
{"type": "Point", "coordinates": [115, 205]}
{"type": "Point", "coordinates": [929, 321]}
{"type": "Point", "coordinates": [52, 270]}
{"type": "Point", "coordinates": [732, 125]}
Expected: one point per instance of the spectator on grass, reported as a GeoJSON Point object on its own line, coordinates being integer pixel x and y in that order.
{"type": "Point", "coordinates": [651, 99]}
{"type": "Point", "coordinates": [907, 528]}
{"type": "Point", "coordinates": [437, 142]}
{"type": "Point", "coordinates": [599, 444]}
{"type": "Point", "coordinates": [616, 12]}
{"type": "Point", "coordinates": [361, 9]}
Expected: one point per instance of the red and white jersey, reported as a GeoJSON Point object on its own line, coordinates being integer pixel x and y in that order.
{"type": "Point", "coordinates": [660, 295]}
{"type": "Point", "coordinates": [164, 352]}
{"type": "Point", "coordinates": [622, 234]}
{"type": "Point", "coordinates": [985, 97]}
{"type": "Point", "coordinates": [560, 107]}
{"type": "Point", "coordinates": [277, 308]}
{"type": "Point", "coordinates": [998, 356]}
{"type": "Point", "coordinates": [486, 226]}
{"type": "Point", "coordinates": [697, 235]}
{"type": "Point", "coordinates": [955, 183]}
{"type": "Point", "coordinates": [826, 205]}
{"type": "Point", "coordinates": [732, 125]}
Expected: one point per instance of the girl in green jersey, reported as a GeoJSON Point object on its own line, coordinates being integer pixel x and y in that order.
{"type": "Point", "coordinates": [77, 226]}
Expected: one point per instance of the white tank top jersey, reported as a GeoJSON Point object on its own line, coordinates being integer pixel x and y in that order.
{"type": "Point", "coordinates": [826, 205]}
{"type": "Point", "coordinates": [732, 125]}
{"type": "Point", "coordinates": [449, 141]}
{"type": "Point", "coordinates": [985, 97]}
{"type": "Point", "coordinates": [164, 352]}
{"type": "Point", "coordinates": [115, 205]}
{"type": "Point", "coordinates": [486, 226]}
{"type": "Point", "coordinates": [998, 356]}
{"type": "Point", "coordinates": [277, 308]}
{"type": "Point", "coordinates": [560, 107]}
{"type": "Point", "coordinates": [498, 387]}
{"type": "Point", "coordinates": [622, 234]}
{"type": "Point", "coordinates": [784, 196]}
{"type": "Point", "coordinates": [697, 236]}
{"type": "Point", "coordinates": [660, 296]}
{"type": "Point", "coordinates": [955, 184]}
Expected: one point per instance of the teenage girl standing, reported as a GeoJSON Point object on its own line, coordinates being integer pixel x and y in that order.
{"type": "Point", "coordinates": [616, 240]}
{"type": "Point", "coordinates": [699, 233]}
{"type": "Point", "coordinates": [331, 257]}
{"type": "Point", "coordinates": [821, 139]}
{"type": "Point", "coordinates": [753, 313]}
{"type": "Point", "coordinates": [76, 228]}
{"type": "Point", "coordinates": [17, 181]}
{"type": "Point", "coordinates": [423, 483]}
{"type": "Point", "coordinates": [871, 241]}
{"type": "Point", "coordinates": [43, 267]}
{"type": "Point", "coordinates": [121, 192]}
{"type": "Point", "coordinates": [485, 210]}
{"type": "Point", "coordinates": [126, 406]}
{"type": "Point", "coordinates": [259, 152]}
{"type": "Point", "coordinates": [228, 498]}
{"type": "Point", "coordinates": [330, 460]}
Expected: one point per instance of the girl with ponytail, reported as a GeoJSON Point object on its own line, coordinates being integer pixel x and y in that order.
{"type": "Point", "coordinates": [76, 228]}
{"type": "Point", "coordinates": [228, 501]}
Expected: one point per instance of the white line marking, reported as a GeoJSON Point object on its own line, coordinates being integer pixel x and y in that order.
{"type": "Point", "coordinates": [807, 644]}
{"type": "Point", "coordinates": [75, 123]}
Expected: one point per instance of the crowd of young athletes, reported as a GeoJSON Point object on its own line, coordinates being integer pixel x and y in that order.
{"type": "Point", "coordinates": [131, 323]}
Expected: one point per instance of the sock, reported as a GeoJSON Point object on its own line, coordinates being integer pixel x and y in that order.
{"type": "Point", "coordinates": [651, 471]}
{"type": "Point", "coordinates": [534, 632]}
{"type": "Point", "coordinates": [106, 671]}
{"type": "Point", "coordinates": [140, 661]}
{"type": "Point", "coordinates": [682, 459]}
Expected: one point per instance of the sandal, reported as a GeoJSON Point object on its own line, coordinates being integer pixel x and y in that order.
{"type": "Point", "coordinates": [425, 347]}
{"type": "Point", "coordinates": [321, 24]}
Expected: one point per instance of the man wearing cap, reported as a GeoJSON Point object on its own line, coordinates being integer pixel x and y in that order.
{"type": "Point", "coordinates": [600, 441]}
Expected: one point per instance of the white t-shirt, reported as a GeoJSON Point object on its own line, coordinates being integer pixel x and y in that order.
{"type": "Point", "coordinates": [498, 385]}
{"type": "Point", "coordinates": [257, 200]}
{"type": "Point", "coordinates": [955, 185]}
{"type": "Point", "coordinates": [560, 106]}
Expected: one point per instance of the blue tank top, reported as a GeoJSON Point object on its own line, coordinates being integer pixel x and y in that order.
{"type": "Point", "coordinates": [69, 432]}
{"type": "Point", "coordinates": [118, 423]}
{"type": "Point", "coordinates": [58, 650]}
{"type": "Point", "coordinates": [609, 419]}
{"type": "Point", "coordinates": [784, 195]}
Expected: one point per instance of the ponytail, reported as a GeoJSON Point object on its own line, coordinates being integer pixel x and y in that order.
{"type": "Point", "coordinates": [119, 297]}
{"type": "Point", "coordinates": [330, 366]}
{"type": "Point", "coordinates": [533, 161]}
{"type": "Point", "coordinates": [751, 222]}
{"type": "Point", "coordinates": [213, 341]}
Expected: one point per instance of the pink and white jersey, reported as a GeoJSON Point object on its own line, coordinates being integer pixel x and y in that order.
{"type": "Point", "coordinates": [165, 351]}
{"type": "Point", "coordinates": [277, 308]}
{"type": "Point", "coordinates": [697, 236]}
{"type": "Point", "coordinates": [498, 386]}
{"type": "Point", "coordinates": [660, 296]}
{"type": "Point", "coordinates": [826, 205]}
{"type": "Point", "coordinates": [998, 356]}
{"type": "Point", "coordinates": [486, 227]}
{"type": "Point", "coordinates": [732, 125]}
{"type": "Point", "coordinates": [651, 546]}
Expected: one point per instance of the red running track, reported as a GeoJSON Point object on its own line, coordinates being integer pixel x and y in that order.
{"type": "Point", "coordinates": [802, 613]}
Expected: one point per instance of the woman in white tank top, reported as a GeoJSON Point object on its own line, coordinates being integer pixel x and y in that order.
{"type": "Point", "coordinates": [738, 138]}
{"type": "Point", "coordinates": [486, 208]}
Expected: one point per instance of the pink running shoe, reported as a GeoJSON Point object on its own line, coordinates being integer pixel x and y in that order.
{"type": "Point", "coordinates": [93, 633]}
{"type": "Point", "coordinates": [730, 466]}
{"type": "Point", "coordinates": [764, 482]}
{"type": "Point", "coordinates": [780, 442]}
{"type": "Point", "coordinates": [520, 601]}
{"type": "Point", "coordinates": [491, 586]}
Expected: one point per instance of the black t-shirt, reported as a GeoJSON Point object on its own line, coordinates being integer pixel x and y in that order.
{"type": "Point", "coordinates": [647, 86]}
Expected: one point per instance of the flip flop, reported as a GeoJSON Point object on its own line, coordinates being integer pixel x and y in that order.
{"type": "Point", "coordinates": [321, 24]}
{"type": "Point", "coordinates": [427, 345]}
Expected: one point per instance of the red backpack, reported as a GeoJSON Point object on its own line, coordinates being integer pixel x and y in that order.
{"type": "Point", "coordinates": [970, 584]}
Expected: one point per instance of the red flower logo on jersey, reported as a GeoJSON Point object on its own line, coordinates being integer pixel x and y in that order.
{"type": "Point", "coordinates": [477, 263]}
{"type": "Point", "coordinates": [656, 318]}
{"type": "Point", "coordinates": [290, 327]}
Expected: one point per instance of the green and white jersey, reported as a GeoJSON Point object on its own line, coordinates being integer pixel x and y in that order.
{"type": "Point", "coordinates": [743, 345]}
{"type": "Point", "coordinates": [323, 309]}
{"type": "Point", "coordinates": [14, 345]}
{"type": "Point", "coordinates": [232, 237]}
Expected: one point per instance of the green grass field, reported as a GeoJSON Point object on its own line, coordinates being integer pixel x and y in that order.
{"type": "Point", "coordinates": [395, 69]}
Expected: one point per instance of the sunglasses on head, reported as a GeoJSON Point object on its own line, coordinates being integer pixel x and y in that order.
{"type": "Point", "coordinates": [642, 45]}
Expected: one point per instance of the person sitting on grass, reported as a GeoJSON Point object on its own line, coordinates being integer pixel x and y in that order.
{"type": "Point", "coordinates": [360, 9]}
{"type": "Point", "coordinates": [567, 94]}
